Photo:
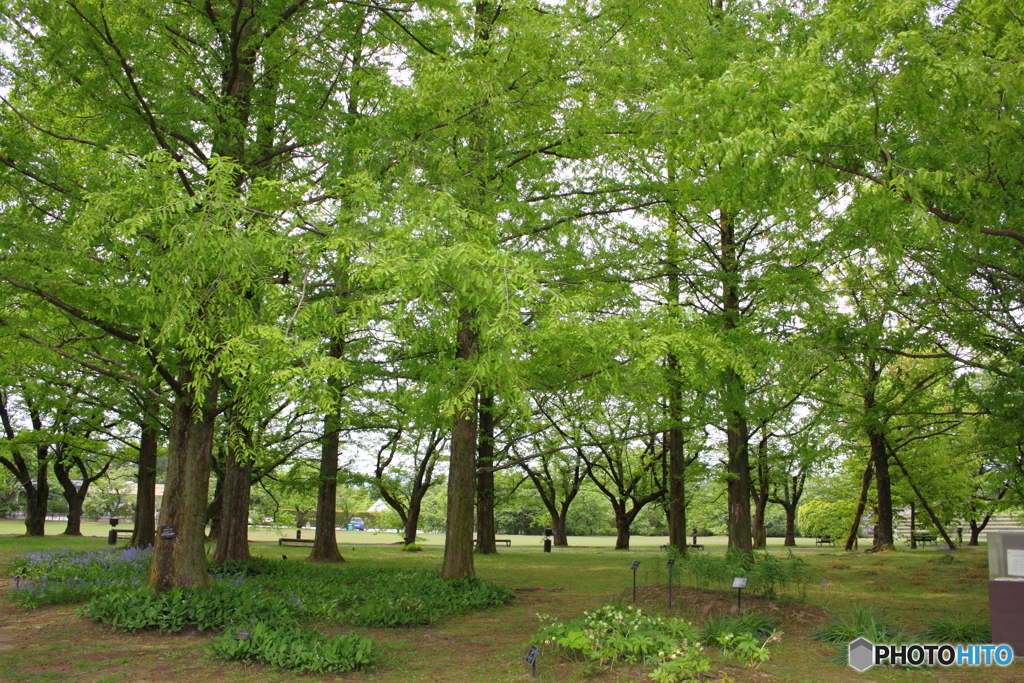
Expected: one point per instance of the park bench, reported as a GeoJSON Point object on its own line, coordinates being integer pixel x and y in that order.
{"type": "Point", "coordinates": [690, 546]}
{"type": "Point", "coordinates": [922, 537]}
{"type": "Point", "coordinates": [506, 541]}
{"type": "Point", "coordinates": [824, 540]}
{"type": "Point", "coordinates": [113, 534]}
{"type": "Point", "coordinates": [295, 541]}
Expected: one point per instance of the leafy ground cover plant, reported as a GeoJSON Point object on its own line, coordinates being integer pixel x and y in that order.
{"type": "Point", "coordinates": [613, 634]}
{"type": "Point", "coordinates": [294, 648]}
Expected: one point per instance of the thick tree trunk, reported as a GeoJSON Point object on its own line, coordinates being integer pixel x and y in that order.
{"type": "Point", "coordinates": [325, 543]}
{"type": "Point", "coordinates": [145, 496]}
{"type": "Point", "coordinates": [36, 503]}
{"type": "Point", "coordinates": [458, 543]}
{"type": "Point", "coordinates": [412, 520]}
{"type": "Point", "coordinates": [737, 432]}
{"type": "Point", "coordinates": [976, 529]}
{"type": "Point", "coordinates": [233, 539]}
{"type": "Point", "coordinates": [559, 538]}
{"type": "Point", "coordinates": [883, 491]}
{"type": "Point", "coordinates": [622, 523]}
{"type": "Point", "coordinates": [75, 501]}
{"type": "Point", "coordinates": [74, 496]}
{"type": "Point", "coordinates": [485, 544]}
{"type": "Point", "coordinates": [738, 485]}
{"type": "Point", "coordinates": [676, 466]}
{"type": "Point", "coordinates": [790, 541]}
{"type": "Point", "coordinates": [179, 559]}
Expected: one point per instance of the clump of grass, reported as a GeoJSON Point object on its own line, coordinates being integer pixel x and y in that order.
{"type": "Point", "coordinates": [755, 623]}
{"type": "Point", "coordinates": [957, 628]}
{"type": "Point", "coordinates": [864, 621]}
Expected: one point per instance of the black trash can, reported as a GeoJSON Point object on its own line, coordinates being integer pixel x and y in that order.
{"type": "Point", "coordinates": [547, 545]}
{"type": "Point", "coordinates": [112, 537]}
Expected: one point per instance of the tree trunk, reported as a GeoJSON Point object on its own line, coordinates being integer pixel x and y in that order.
{"type": "Point", "coordinates": [36, 503]}
{"type": "Point", "coordinates": [976, 529]}
{"type": "Point", "coordinates": [485, 544]}
{"type": "Point", "coordinates": [559, 537]}
{"type": "Point", "coordinates": [790, 541]}
{"type": "Point", "coordinates": [73, 495]}
{"type": "Point", "coordinates": [233, 539]}
{"type": "Point", "coordinates": [325, 543]}
{"type": "Point", "coordinates": [622, 524]}
{"type": "Point", "coordinates": [737, 433]}
{"type": "Point", "coordinates": [145, 496]}
{"type": "Point", "coordinates": [215, 508]}
{"type": "Point", "coordinates": [412, 520]}
{"type": "Point", "coordinates": [676, 458]}
{"type": "Point", "coordinates": [913, 540]}
{"type": "Point", "coordinates": [760, 540]}
{"type": "Point", "coordinates": [865, 487]}
{"type": "Point", "coordinates": [458, 543]}
{"type": "Point", "coordinates": [738, 486]}
{"type": "Point", "coordinates": [883, 491]}
{"type": "Point", "coordinates": [179, 559]}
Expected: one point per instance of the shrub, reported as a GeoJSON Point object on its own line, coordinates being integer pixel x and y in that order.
{"type": "Point", "coordinates": [297, 649]}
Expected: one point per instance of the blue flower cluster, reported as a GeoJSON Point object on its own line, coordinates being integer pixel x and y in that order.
{"type": "Point", "coordinates": [63, 575]}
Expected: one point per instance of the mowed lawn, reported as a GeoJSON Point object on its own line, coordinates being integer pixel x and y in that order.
{"type": "Point", "coordinates": [55, 644]}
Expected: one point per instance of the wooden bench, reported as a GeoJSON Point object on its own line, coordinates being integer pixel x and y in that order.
{"type": "Point", "coordinates": [824, 540]}
{"type": "Point", "coordinates": [691, 546]}
{"type": "Point", "coordinates": [114, 534]}
{"type": "Point", "coordinates": [295, 541]}
{"type": "Point", "coordinates": [921, 537]}
{"type": "Point", "coordinates": [506, 541]}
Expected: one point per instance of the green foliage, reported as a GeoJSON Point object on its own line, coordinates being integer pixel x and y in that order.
{"type": "Point", "coordinates": [823, 518]}
{"type": "Point", "coordinates": [297, 649]}
{"type": "Point", "coordinates": [767, 575]}
{"type": "Point", "coordinates": [746, 647]}
{"type": "Point", "coordinates": [64, 576]}
{"type": "Point", "coordinates": [245, 592]}
{"type": "Point", "coordinates": [218, 607]}
{"type": "Point", "coordinates": [957, 628]}
{"type": "Point", "coordinates": [412, 548]}
{"type": "Point", "coordinates": [866, 621]}
{"type": "Point", "coordinates": [612, 634]}
{"type": "Point", "coordinates": [753, 623]}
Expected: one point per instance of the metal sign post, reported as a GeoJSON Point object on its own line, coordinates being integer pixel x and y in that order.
{"type": "Point", "coordinates": [531, 659]}
{"type": "Point", "coordinates": [739, 583]}
{"type": "Point", "coordinates": [633, 569]}
{"type": "Point", "coordinates": [671, 563]}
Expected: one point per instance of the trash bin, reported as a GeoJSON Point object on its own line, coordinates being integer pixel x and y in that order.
{"type": "Point", "coordinates": [547, 545]}
{"type": "Point", "coordinates": [349, 527]}
{"type": "Point", "coordinates": [112, 537]}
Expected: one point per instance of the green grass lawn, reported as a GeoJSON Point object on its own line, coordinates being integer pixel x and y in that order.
{"type": "Point", "coordinates": [55, 644]}
{"type": "Point", "coordinates": [349, 538]}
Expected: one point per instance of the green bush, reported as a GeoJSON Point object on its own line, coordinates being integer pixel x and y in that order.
{"type": "Point", "coordinates": [296, 649]}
